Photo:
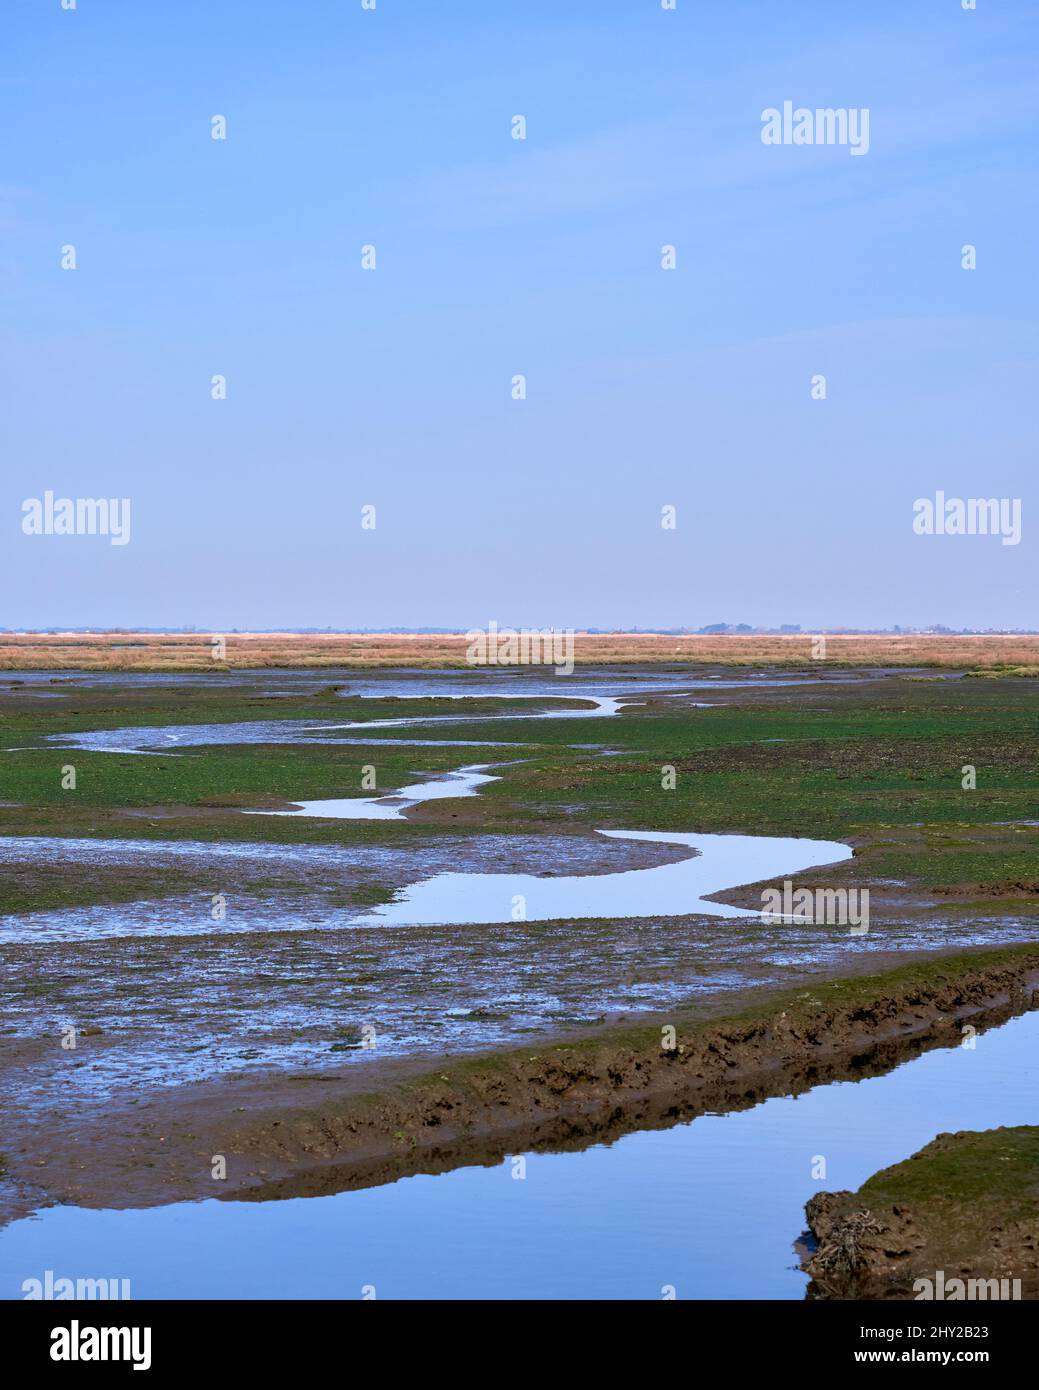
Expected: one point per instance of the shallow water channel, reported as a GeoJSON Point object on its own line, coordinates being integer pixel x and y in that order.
{"type": "Point", "coordinates": [711, 1207]}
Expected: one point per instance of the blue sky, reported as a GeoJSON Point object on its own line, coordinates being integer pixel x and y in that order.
{"type": "Point", "coordinates": [645, 387]}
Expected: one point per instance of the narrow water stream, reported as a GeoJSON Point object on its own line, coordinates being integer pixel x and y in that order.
{"type": "Point", "coordinates": [668, 890]}
{"type": "Point", "coordinates": [717, 862]}
{"type": "Point", "coordinates": [392, 805]}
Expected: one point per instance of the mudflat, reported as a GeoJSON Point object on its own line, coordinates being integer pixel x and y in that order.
{"type": "Point", "coordinates": [184, 981]}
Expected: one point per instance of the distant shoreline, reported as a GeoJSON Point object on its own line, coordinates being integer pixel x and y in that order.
{"type": "Point", "coordinates": [203, 652]}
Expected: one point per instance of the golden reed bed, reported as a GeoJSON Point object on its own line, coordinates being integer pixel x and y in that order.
{"type": "Point", "coordinates": [129, 651]}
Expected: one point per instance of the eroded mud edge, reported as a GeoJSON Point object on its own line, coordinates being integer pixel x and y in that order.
{"type": "Point", "coordinates": [966, 1204]}
{"type": "Point", "coordinates": [363, 1130]}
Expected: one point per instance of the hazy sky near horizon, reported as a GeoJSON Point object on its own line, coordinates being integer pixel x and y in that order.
{"type": "Point", "coordinates": [645, 387]}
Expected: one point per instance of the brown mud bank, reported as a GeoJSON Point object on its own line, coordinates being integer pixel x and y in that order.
{"type": "Point", "coordinates": [957, 1221]}
{"type": "Point", "coordinates": [292, 1135]}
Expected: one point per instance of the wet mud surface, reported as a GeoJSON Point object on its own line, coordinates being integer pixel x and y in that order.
{"type": "Point", "coordinates": [304, 1132]}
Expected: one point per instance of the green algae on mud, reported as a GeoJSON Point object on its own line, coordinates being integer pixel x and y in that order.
{"type": "Point", "coordinates": [878, 764]}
